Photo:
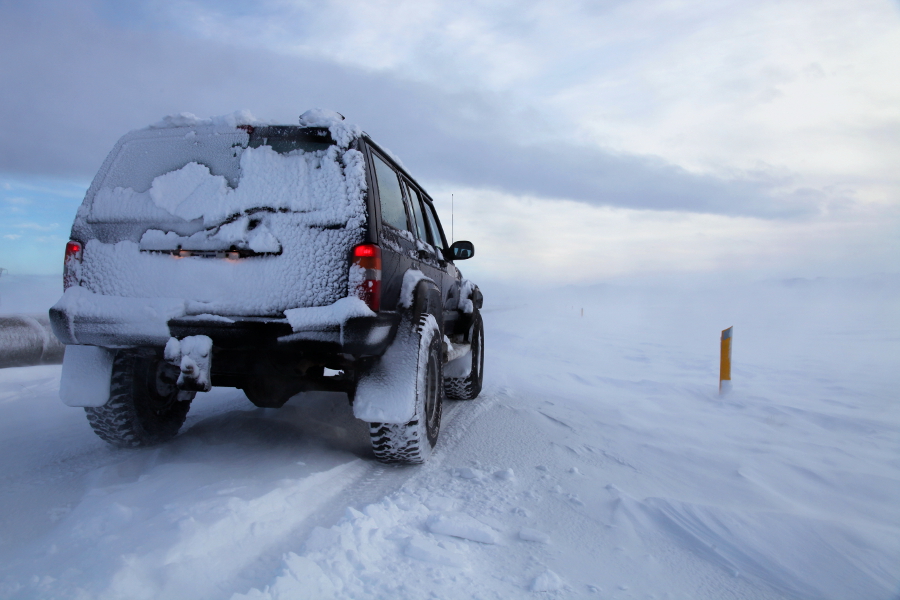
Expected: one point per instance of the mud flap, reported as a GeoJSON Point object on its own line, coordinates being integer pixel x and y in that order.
{"type": "Point", "coordinates": [386, 393]}
{"type": "Point", "coordinates": [86, 374]}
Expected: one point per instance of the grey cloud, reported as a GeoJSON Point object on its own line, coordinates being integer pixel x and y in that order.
{"type": "Point", "coordinates": [74, 83]}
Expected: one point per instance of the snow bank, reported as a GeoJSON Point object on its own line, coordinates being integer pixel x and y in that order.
{"type": "Point", "coordinates": [603, 432]}
{"type": "Point", "coordinates": [350, 559]}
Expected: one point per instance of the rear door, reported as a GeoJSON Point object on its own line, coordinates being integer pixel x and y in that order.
{"type": "Point", "coordinates": [450, 277]}
{"type": "Point", "coordinates": [397, 240]}
{"type": "Point", "coordinates": [429, 259]}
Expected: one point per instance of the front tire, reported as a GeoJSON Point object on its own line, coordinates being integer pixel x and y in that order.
{"type": "Point", "coordinates": [144, 406]}
{"type": "Point", "coordinates": [412, 442]}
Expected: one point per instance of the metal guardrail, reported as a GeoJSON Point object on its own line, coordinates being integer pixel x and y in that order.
{"type": "Point", "coordinates": [26, 340]}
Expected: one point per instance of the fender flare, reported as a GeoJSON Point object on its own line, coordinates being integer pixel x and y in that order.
{"type": "Point", "coordinates": [427, 301]}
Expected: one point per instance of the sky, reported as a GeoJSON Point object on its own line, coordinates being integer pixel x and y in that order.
{"type": "Point", "coordinates": [584, 141]}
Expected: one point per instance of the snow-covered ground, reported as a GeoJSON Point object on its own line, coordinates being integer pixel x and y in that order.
{"type": "Point", "coordinates": [599, 462]}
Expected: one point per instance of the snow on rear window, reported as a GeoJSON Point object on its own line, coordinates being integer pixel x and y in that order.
{"type": "Point", "coordinates": [325, 182]}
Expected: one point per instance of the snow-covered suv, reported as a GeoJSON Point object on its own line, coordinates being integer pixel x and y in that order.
{"type": "Point", "coordinates": [272, 258]}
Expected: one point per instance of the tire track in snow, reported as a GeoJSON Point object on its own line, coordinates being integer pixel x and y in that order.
{"type": "Point", "coordinates": [379, 480]}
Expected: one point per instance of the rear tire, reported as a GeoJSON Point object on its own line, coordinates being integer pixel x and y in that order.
{"type": "Point", "coordinates": [412, 442]}
{"type": "Point", "coordinates": [468, 387]}
{"type": "Point", "coordinates": [143, 408]}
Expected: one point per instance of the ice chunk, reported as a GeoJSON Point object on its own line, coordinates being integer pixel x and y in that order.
{"type": "Point", "coordinates": [548, 581]}
{"type": "Point", "coordinates": [440, 503]}
{"type": "Point", "coordinates": [505, 474]}
{"type": "Point", "coordinates": [468, 473]}
{"type": "Point", "coordinates": [533, 535]}
{"type": "Point", "coordinates": [428, 551]}
{"type": "Point", "coordinates": [462, 526]}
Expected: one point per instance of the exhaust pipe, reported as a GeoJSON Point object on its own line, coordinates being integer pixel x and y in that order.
{"type": "Point", "coordinates": [26, 340]}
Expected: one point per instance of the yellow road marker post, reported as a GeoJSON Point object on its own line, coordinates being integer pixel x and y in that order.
{"type": "Point", "coordinates": [725, 362]}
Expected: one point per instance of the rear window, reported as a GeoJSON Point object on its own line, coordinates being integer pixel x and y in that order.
{"type": "Point", "coordinates": [284, 139]}
{"type": "Point", "coordinates": [192, 173]}
{"type": "Point", "coordinates": [142, 159]}
{"type": "Point", "coordinates": [145, 157]}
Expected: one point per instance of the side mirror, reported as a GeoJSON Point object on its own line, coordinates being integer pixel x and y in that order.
{"type": "Point", "coordinates": [460, 250]}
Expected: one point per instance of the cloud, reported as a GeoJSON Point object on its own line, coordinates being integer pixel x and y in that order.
{"type": "Point", "coordinates": [36, 226]}
{"type": "Point", "coordinates": [12, 236]}
{"type": "Point", "coordinates": [81, 83]}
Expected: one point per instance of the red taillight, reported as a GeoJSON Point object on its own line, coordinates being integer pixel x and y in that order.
{"type": "Point", "coordinates": [367, 281]}
{"type": "Point", "coordinates": [366, 250]}
{"type": "Point", "coordinates": [72, 265]}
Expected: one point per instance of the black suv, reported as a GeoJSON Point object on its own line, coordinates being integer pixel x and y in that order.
{"type": "Point", "coordinates": [272, 258]}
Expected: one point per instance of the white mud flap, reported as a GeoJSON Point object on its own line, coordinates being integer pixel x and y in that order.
{"type": "Point", "coordinates": [86, 373]}
{"type": "Point", "coordinates": [387, 393]}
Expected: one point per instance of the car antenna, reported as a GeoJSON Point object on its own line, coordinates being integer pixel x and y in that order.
{"type": "Point", "coordinates": [452, 238]}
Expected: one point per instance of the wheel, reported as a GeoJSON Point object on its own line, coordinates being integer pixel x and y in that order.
{"type": "Point", "coordinates": [412, 442]}
{"type": "Point", "coordinates": [144, 407]}
{"type": "Point", "coordinates": [468, 385]}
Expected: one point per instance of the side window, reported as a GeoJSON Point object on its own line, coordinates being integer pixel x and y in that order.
{"type": "Point", "coordinates": [417, 212]}
{"type": "Point", "coordinates": [392, 211]}
{"type": "Point", "coordinates": [434, 225]}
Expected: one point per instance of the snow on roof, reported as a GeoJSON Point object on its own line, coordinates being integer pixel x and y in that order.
{"type": "Point", "coordinates": [341, 131]}
{"type": "Point", "coordinates": [186, 119]}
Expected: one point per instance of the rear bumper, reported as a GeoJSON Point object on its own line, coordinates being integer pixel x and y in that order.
{"type": "Point", "coordinates": [358, 336]}
{"type": "Point", "coordinates": [82, 317]}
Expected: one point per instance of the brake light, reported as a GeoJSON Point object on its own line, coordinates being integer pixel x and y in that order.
{"type": "Point", "coordinates": [72, 264]}
{"type": "Point", "coordinates": [365, 274]}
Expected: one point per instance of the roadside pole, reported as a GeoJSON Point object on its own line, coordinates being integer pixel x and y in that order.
{"type": "Point", "coordinates": [725, 362]}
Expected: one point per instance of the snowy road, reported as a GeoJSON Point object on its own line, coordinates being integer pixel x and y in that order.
{"type": "Point", "coordinates": [598, 463]}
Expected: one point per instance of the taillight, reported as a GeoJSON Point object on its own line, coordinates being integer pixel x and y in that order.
{"type": "Point", "coordinates": [72, 265]}
{"type": "Point", "coordinates": [366, 276]}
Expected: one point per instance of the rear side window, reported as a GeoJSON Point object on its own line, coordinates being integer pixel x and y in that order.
{"type": "Point", "coordinates": [417, 212]}
{"type": "Point", "coordinates": [433, 224]}
{"type": "Point", "coordinates": [392, 211]}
